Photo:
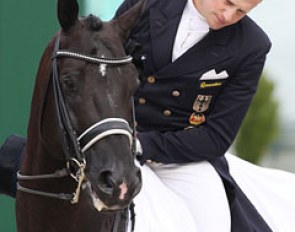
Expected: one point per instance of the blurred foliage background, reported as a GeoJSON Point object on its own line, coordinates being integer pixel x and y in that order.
{"type": "Point", "coordinates": [261, 125]}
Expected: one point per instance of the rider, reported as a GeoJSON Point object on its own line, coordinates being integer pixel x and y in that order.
{"type": "Point", "coordinates": [201, 61]}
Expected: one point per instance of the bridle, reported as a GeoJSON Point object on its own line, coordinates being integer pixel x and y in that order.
{"type": "Point", "coordinates": [74, 146]}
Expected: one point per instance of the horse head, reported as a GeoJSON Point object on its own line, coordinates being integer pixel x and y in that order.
{"type": "Point", "coordinates": [86, 117]}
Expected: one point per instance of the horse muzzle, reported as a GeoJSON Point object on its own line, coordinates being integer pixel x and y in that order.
{"type": "Point", "coordinates": [111, 193]}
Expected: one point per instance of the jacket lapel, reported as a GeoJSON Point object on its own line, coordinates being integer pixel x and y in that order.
{"type": "Point", "coordinates": [164, 20]}
{"type": "Point", "coordinates": [209, 51]}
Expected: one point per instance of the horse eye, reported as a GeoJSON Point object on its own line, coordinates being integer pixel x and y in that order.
{"type": "Point", "coordinates": [68, 84]}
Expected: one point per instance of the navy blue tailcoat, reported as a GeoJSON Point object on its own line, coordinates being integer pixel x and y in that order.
{"type": "Point", "coordinates": [190, 110]}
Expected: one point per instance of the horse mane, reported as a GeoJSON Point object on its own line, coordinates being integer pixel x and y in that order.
{"type": "Point", "coordinates": [39, 93]}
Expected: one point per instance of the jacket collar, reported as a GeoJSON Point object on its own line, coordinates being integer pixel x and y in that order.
{"type": "Point", "coordinates": [164, 20]}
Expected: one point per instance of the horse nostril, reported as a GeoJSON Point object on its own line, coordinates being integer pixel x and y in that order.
{"type": "Point", "coordinates": [106, 182]}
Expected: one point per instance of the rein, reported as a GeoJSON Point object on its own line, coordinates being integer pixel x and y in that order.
{"type": "Point", "coordinates": [74, 146]}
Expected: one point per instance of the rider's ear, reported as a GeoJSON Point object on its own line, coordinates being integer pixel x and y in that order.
{"type": "Point", "coordinates": [125, 22]}
{"type": "Point", "coordinates": [67, 11]}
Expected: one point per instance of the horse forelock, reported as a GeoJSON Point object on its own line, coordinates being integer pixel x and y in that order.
{"type": "Point", "coordinates": [93, 23]}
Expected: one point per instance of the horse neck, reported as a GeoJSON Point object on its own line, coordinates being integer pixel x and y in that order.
{"type": "Point", "coordinates": [42, 101]}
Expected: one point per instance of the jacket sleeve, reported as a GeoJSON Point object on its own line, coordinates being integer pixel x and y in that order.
{"type": "Point", "coordinates": [214, 137]}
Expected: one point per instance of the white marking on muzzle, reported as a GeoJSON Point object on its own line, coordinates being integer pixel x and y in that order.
{"type": "Point", "coordinates": [96, 202]}
{"type": "Point", "coordinates": [123, 190]}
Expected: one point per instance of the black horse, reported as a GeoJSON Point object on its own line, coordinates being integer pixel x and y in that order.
{"type": "Point", "coordinates": [78, 170]}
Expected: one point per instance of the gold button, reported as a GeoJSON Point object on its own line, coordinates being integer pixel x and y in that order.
{"type": "Point", "coordinates": [141, 101]}
{"type": "Point", "coordinates": [151, 79]}
{"type": "Point", "coordinates": [176, 93]}
{"type": "Point", "coordinates": [167, 113]}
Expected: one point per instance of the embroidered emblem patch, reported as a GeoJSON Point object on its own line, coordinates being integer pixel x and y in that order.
{"type": "Point", "coordinates": [204, 84]}
{"type": "Point", "coordinates": [202, 102]}
{"type": "Point", "coordinates": [197, 119]}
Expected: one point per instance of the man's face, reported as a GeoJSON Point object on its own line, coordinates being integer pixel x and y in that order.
{"type": "Point", "coordinates": [221, 13]}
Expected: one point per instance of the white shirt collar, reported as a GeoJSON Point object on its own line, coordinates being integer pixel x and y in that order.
{"type": "Point", "coordinates": [191, 29]}
{"type": "Point", "coordinates": [198, 21]}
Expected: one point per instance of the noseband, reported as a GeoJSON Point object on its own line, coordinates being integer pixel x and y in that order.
{"type": "Point", "coordinates": [74, 146]}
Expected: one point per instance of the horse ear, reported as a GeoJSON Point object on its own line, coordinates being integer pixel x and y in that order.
{"type": "Point", "coordinates": [67, 13]}
{"type": "Point", "coordinates": [129, 19]}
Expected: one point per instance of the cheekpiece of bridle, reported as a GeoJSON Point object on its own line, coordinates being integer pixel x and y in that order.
{"type": "Point", "coordinates": [74, 146]}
